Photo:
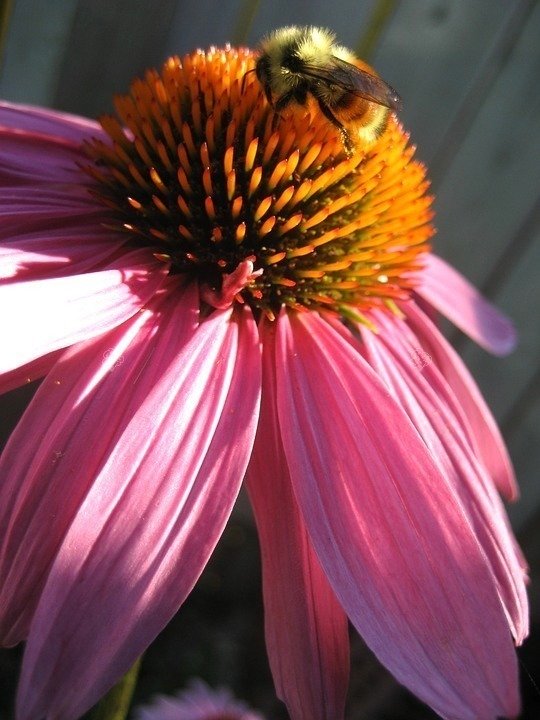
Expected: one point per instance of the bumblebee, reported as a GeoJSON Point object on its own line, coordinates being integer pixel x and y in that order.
{"type": "Point", "coordinates": [296, 64]}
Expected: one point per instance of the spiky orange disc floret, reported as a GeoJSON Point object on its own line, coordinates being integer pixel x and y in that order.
{"type": "Point", "coordinates": [200, 168]}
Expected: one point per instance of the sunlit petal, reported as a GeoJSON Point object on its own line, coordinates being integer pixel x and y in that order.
{"type": "Point", "coordinates": [453, 296]}
{"type": "Point", "coordinates": [489, 442]}
{"type": "Point", "coordinates": [148, 524]}
{"type": "Point", "coordinates": [60, 312]}
{"type": "Point", "coordinates": [97, 384]}
{"type": "Point", "coordinates": [389, 530]}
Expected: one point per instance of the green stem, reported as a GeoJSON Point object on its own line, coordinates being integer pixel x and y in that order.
{"type": "Point", "coordinates": [245, 19]}
{"type": "Point", "coordinates": [383, 11]}
{"type": "Point", "coordinates": [6, 6]}
{"type": "Point", "coordinates": [115, 704]}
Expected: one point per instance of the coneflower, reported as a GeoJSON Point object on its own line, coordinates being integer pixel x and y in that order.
{"type": "Point", "coordinates": [213, 293]}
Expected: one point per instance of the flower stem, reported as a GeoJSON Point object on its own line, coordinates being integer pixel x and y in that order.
{"type": "Point", "coordinates": [383, 11]}
{"type": "Point", "coordinates": [245, 20]}
{"type": "Point", "coordinates": [115, 704]}
{"type": "Point", "coordinates": [6, 6]}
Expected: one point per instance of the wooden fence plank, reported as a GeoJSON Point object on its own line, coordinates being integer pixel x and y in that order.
{"type": "Point", "coordinates": [505, 382]}
{"type": "Point", "coordinates": [430, 53]}
{"type": "Point", "coordinates": [525, 450]}
{"type": "Point", "coordinates": [109, 44]}
{"type": "Point", "coordinates": [345, 18]}
{"type": "Point", "coordinates": [202, 23]}
{"type": "Point", "coordinates": [35, 44]}
{"type": "Point", "coordinates": [494, 179]}
{"type": "Point", "coordinates": [519, 296]}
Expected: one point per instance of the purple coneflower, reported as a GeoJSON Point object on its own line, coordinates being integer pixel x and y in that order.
{"type": "Point", "coordinates": [198, 702]}
{"type": "Point", "coordinates": [213, 295]}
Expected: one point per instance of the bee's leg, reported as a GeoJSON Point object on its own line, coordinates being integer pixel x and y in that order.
{"type": "Point", "coordinates": [243, 86]}
{"type": "Point", "coordinates": [280, 104]}
{"type": "Point", "coordinates": [298, 96]}
{"type": "Point", "coordinates": [276, 117]}
{"type": "Point", "coordinates": [329, 115]}
{"type": "Point", "coordinates": [345, 137]}
{"type": "Point", "coordinates": [268, 95]}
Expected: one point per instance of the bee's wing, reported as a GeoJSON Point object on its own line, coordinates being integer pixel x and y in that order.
{"type": "Point", "coordinates": [352, 79]}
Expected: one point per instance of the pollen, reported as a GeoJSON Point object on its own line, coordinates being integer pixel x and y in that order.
{"type": "Point", "coordinates": [199, 168]}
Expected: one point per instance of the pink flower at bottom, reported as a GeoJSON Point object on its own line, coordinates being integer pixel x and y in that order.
{"type": "Point", "coordinates": [199, 702]}
{"type": "Point", "coordinates": [210, 295]}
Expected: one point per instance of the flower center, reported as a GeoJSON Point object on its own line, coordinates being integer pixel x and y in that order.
{"type": "Point", "coordinates": [202, 170]}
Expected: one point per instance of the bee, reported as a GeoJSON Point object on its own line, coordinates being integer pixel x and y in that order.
{"type": "Point", "coordinates": [298, 63]}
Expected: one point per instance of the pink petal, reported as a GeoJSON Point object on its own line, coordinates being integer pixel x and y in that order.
{"type": "Point", "coordinates": [28, 118]}
{"type": "Point", "coordinates": [45, 315]}
{"type": "Point", "coordinates": [392, 354]}
{"type": "Point", "coordinates": [56, 252]}
{"type": "Point", "coordinates": [490, 446]}
{"type": "Point", "coordinates": [26, 374]}
{"type": "Point", "coordinates": [306, 629]}
{"type": "Point", "coordinates": [60, 445]}
{"type": "Point", "coordinates": [459, 301]}
{"type": "Point", "coordinates": [36, 159]}
{"type": "Point", "coordinates": [148, 524]}
{"type": "Point", "coordinates": [28, 209]}
{"type": "Point", "coordinates": [389, 531]}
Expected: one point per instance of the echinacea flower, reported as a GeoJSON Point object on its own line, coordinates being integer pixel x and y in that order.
{"type": "Point", "coordinates": [198, 702]}
{"type": "Point", "coordinates": [212, 292]}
